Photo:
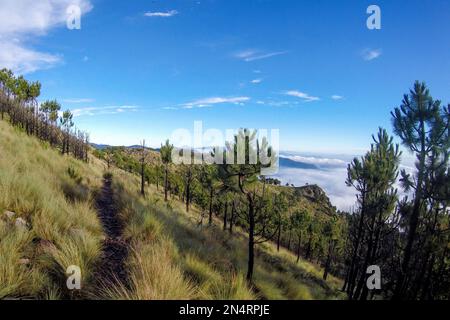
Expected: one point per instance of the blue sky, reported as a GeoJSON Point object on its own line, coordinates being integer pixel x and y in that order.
{"type": "Point", "coordinates": [312, 69]}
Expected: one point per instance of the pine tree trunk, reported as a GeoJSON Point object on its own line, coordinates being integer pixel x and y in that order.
{"type": "Point", "coordinates": [352, 270]}
{"type": "Point", "coordinates": [361, 289]}
{"type": "Point", "coordinates": [188, 186]}
{"type": "Point", "coordinates": [327, 263]}
{"type": "Point", "coordinates": [142, 178]}
{"type": "Point", "coordinates": [210, 204]}
{"type": "Point", "coordinates": [233, 208]}
{"type": "Point", "coordinates": [165, 183]}
{"type": "Point", "coordinates": [308, 250]}
{"type": "Point", "coordinates": [414, 219]}
{"type": "Point", "coordinates": [298, 247]}
{"type": "Point", "coordinates": [251, 240]}
{"type": "Point", "coordinates": [289, 239]}
{"type": "Point", "coordinates": [225, 214]}
{"type": "Point", "coordinates": [279, 237]}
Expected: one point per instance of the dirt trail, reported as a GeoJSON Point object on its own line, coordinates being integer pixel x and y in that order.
{"type": "Point", "coordinates": [115, 251]}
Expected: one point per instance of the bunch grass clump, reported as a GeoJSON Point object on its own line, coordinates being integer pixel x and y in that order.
{"type": "Point", "coordinates": [59, 229]}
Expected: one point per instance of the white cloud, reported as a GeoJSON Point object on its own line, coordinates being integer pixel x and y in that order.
{"type": "Point", "coordinates": [94, 111]}
{"type": "Point", "coordinates": [298, 94]}
{"type": "Point", "coordinates": [256, 81]}
{"type": "Point", "coordinates": [167, 14]}
{"type": "Point", "coordinates": [253, 55]}
{"type": "Point", "coordinates": [337, 97]}
{"type": "Point", "coordinates": [36, 17]}
{"type": "Point", "coordinates": [22, 60]}
{"type": "Point", "coordinates": [330, 173]}
{"type": "Point", "coordinates": [319, 161]}
{"type": "Point", "coordinates": [277, 103]}
{"type": "Point", "coordinates": [208, 102]}
{"type": "Point", "coordinates": [20, 20]}
{"type": "Point", "coordinates": [331, 181]}
{"type": "Point", "coordinates": [371, 54]}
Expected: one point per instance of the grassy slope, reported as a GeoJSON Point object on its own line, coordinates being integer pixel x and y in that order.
{"type": "Point", "coordinates": [64, 230]}
{"type": "Point", "coordinates": [210, 263]}
{"type": "Point", "coordinates": [171, 257]}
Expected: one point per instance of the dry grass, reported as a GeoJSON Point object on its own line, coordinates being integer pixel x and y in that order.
{"type": "Point", "coordinates": [213, 261]}
{"type": "Point", "coordinates": [63, 227]}
{"type": "Point", "coordinates": [153, 276]}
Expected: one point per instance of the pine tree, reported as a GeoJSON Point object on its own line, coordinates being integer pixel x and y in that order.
{"type": "Point", "coordinates": [373, 177]}
{"type": "Point", "coordinates": [423, 126]}
{"type": "Point", "coordinates": [166, 158]}
{"type": "Point", "coordinates": [242, 177]}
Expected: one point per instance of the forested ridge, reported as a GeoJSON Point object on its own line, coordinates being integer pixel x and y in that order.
{"type": "Point", "coordinates": [408, 237]}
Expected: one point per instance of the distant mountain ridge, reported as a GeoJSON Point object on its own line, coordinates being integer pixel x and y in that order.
{"type": "Point", "coordinates": [104, 146]}
{"type": "Point", "coordinates": [284, 162]}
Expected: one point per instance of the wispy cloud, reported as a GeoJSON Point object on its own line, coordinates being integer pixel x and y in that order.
{"type": "Point", "coordinates": [208, 102]}
{"type": "Point", "coordinates": [20, 20]}
{"type": "Point", "coordinates": [304, 96]}
{"type": "Point", "coordinates": [276, 103]}
{"type": "Point", "coordinates": [256, 81]}
{"type": "Point", "coordinates": [167, 14]}
{"type": "Point", "coordinates": [371, 54]}
{"type": "Point", "coordinates": [80, 100]}
{"type": "Point", "coordinates": [94, 111]}
{"type": "Point", "coordinates": [22, 60]}
{"type": "Point", "coordinates": [337, 97]}
{"type": "Point", "coordinates": [253, 55]}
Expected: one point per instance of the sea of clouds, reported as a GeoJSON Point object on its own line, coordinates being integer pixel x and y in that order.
{"type": "Point", "coordinates": [328, 171]}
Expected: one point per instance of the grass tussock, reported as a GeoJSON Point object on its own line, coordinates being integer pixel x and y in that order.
{"type": "Point", "coordinates": [51, 193]}
{"type": "Point", "coordinates": [17, 277]}
{"type": "Point", "coordinates": [152, 276]}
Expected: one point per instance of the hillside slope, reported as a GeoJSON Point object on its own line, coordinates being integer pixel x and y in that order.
{"type": "Point", "coordinates": [169, 255]}
{"type": "Point", "coordinates": [47, 220]}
